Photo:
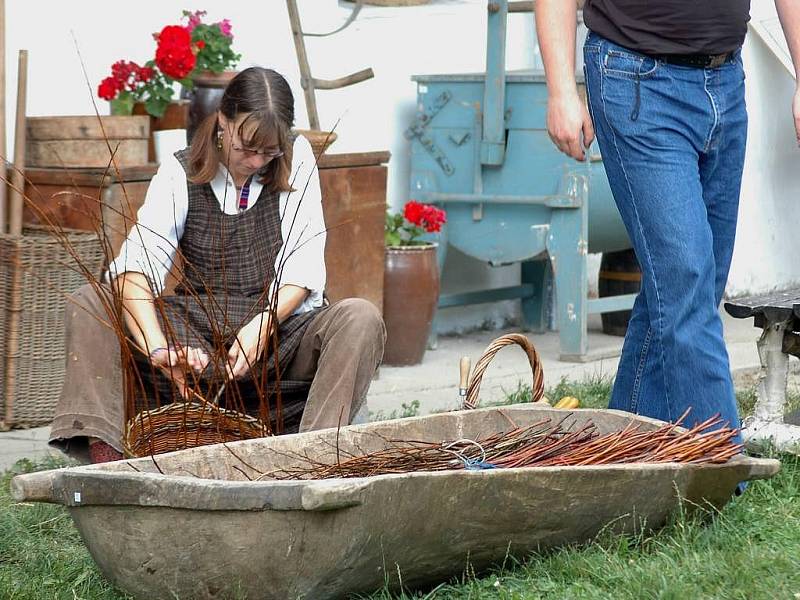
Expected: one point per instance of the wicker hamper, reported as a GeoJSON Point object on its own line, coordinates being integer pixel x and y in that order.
{"type": "Point", "coordinates": [47, 272]}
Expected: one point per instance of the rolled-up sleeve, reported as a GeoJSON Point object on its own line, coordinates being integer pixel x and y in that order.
{"type": "Point", "coordinates": [301, 261]}
{"type": "Point", "coordinates": [151, 245]}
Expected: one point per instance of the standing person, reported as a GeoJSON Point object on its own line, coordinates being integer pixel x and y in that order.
{"type": "Point", "coordinates": [242, 208]}
{"type": "Point", "coordinates": [666, 99]}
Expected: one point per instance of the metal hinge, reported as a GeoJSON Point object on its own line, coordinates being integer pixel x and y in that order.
{"type": "Point", "coordinates": [417, 129]}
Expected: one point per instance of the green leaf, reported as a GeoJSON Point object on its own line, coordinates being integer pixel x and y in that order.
{"type": "Point", "coordinates": [393, 239]}
{"type": "Point", "coordinates": [122, 104]}
{"type": "Point", "coordinates": [156, 106]}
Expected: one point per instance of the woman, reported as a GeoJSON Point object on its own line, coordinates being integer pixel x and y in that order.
{"type": "Point", "coordinates": [242, 209]}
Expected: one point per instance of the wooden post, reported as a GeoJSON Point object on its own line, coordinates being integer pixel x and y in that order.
{"type": "Point", "coordinates": [14, 315]}
{"type": "Point", "coordinates": [18, 174]}
{"type": "Point", "coordinates": [3, 174]}
{"type": "Point", "coordinates": [309, 83]}
{"type": "Point", "coordinates": [302, 58]}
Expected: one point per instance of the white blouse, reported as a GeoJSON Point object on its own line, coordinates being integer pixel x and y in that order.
{"type": "Point", "coordinates": [151, 244]}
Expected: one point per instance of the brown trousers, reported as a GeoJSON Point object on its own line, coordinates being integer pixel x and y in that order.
{"type": "Point", "coordinates": [339, 353]}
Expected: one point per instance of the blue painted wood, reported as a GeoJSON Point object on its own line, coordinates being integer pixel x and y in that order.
{"type": "Point", "coordinates": [483, 296]}
{"type": "Point", "coordinates": [567, 245]}
{"type": "Point", "coordinates": [494, 92]}
{"type": "Point", "coordinates": [511, 196]}
{"type": "Point", "coordinates": [536, 308]}
{"type": "Point", "coordinates": [611, 303]}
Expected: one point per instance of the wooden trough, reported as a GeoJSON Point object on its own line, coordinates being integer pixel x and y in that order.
{"type": "Point", "coordinates": [200, 528]}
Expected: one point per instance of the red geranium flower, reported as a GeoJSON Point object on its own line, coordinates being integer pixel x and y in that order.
{"type": "Point", "coordinates": [417, 219]}
{"type": "Point", "coordinates": [413, 212]}
{"type": "Point", "coordinates": [180, 51]}
{"type": "Point", "coordinates": [174, 54]}
{"type": "Point", "coordinates": [145, 74]}
{"type": "Point", "coordinates": [432, 218]}
{"type": "Point", "coordinates": [108, 88]}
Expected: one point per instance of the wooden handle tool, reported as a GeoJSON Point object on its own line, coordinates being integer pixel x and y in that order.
{"type": "Point", "coordinates": [463, 381]}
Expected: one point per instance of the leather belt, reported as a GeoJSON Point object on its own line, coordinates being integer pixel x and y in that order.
{"type": "Point", "coordinates": [698, 61]}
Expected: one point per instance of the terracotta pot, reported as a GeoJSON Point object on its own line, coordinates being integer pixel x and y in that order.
{"type": "Point", "coordinates": [320, 140]}
{"type": "Point", "coordinates": [174, 117]}
{"type": "Point", "coordinates": [204, 97]}
{"type": "Point", "coordinates": [410, 296]}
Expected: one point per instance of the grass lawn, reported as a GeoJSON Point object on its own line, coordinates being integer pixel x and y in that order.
{"type": "Point", "coordinates": [749, 551]}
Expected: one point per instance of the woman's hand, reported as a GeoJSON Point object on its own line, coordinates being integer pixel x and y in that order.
{"type": "Point", "coordinates": [177, 362]}
{"type": "Point", "coordinates": [250, 343]}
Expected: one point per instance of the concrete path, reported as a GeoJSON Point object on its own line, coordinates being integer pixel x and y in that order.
{"type": "Point", "coordinates": [434, 383]}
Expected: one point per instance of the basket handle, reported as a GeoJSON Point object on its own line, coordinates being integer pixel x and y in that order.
{"type": "Point", "coordinates": [537, 387]}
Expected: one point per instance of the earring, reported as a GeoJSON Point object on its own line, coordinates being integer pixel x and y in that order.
{"type": "Point", "coordinates": [219, 138]}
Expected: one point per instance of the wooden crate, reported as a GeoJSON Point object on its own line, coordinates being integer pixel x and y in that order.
{"type": "Point", "coordinates": [88, 199]}
{"type": "Point", "coordinates": [83, 141]}
{"type": "Point", "coordinates": [354, 205]}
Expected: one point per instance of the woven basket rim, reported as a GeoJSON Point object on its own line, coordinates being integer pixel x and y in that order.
{"type": "Point", "coordinates": [143, 428]}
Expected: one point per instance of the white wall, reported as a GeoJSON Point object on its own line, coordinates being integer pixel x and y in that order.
{"type": "Point", "coordinates": [444, 36]}
{"type": "Point", "coordinates": [767, 249]}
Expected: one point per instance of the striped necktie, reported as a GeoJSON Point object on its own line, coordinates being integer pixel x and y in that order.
{"type": "Point", "coordinates": [245, 195]}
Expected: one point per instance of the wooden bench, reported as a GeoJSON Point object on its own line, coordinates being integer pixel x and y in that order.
{"type": "Point", "coordinates": [778, 315]}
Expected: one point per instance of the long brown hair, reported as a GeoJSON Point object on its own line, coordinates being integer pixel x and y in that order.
{"type": "Point", "coordinates": [266, 95]}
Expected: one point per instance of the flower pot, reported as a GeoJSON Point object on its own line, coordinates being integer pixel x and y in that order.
{"type": "Point", "coordinates": [204, 97]}
{"type": "Point", "coordinates": [320, 140]}
{"type": "Point", "coordinates": [174, 117]}
{"type": "Point", "coordinates": [410, 296]}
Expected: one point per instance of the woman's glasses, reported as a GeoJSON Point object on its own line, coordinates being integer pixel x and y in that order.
{"type": "Point", "coordinates": [270, 154]}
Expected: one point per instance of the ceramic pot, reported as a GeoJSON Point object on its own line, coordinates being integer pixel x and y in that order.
{"type": "Point", "coordinates": [320, 140]}
{"type": "Point", "coordinates": [174, 117]}
{"type": "Point", "coordinates": [204, 97]}
{"type": "Point", "coordinates": [410, 296]}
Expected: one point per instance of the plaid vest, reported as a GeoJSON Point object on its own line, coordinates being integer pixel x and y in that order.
{"type": "Point", "coordinates": [228, 266]}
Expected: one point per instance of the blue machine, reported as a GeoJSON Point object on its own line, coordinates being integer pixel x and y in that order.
{"type": "Point", "coordinates": [480, 149]}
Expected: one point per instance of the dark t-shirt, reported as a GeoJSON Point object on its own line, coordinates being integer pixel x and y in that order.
{"type": "Point", "coordinates": [670, 26]}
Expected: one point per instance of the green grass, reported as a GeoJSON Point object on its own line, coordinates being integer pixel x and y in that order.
{"type": "Point", "coordinates": [751, 550]}
{"type": "Point", "coordinates": [595, 390]}
{"type": "Point", "coordinates": [406, 410]}
{"type": "Point", "coordinates": [41, 553]}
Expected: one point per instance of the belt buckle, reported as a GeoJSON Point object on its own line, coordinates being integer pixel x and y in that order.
{"type": "Point", "coordinates": [716, 60]}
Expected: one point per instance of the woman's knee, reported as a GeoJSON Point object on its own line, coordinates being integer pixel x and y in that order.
{"type": "Point", "coordinates": [360, 317]}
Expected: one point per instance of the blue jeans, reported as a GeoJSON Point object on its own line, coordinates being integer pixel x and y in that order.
{"type": "Point", "coordinates": [673, 143]}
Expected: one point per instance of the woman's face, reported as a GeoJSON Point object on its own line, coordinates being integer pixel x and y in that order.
{"type": "Point", "coordinates": [240, 158]}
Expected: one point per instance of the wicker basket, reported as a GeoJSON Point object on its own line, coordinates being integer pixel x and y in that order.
{"type": "Point", "coordinates": [180, 425]}
{"type": "Point", "coordinates": [43, 272]}
{"type": "Point", "coordinates": [472, 398]}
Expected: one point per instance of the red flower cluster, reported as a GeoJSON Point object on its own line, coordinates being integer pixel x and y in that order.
{"type": "Point", "coordinates": [174, 55]}
{"type": "Point", "coordinates": [426, 216]}
{"type": "Point", "coordinates": [125, 75]}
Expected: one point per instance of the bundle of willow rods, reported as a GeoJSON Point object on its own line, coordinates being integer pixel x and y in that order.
{"type": "Point", "coordinates": [538, 445]}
